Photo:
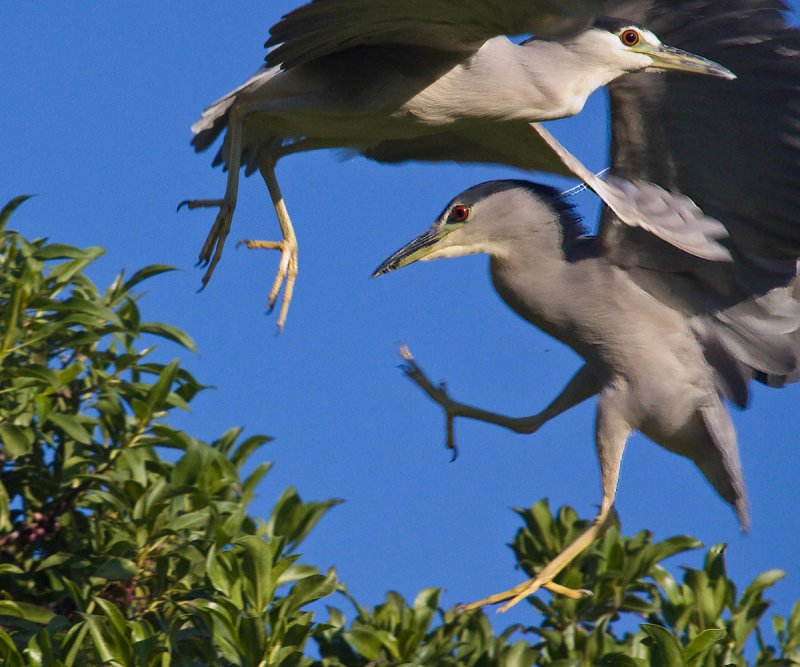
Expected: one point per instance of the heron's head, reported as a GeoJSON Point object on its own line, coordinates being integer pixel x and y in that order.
{"type": "Point", "coordinates": [488, 218]}
{"type": "Point", "coordinates": [632, 48]}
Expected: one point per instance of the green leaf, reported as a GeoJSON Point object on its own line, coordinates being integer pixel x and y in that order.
{"type": "Point", "coordinates": [116, 569]}
{"type": "Point", "coordinates": [53, 560]}
{"type": "Point", "coordinates": [9, 652]}
{"type": "Point", "coordinates": [62, 251]}
{"type": "Point", "coordinates": [43, 375]}
{"type": "Point", "coordinates": [253, 638]}
{"type": "Point", "coordinates": [313, 588]}
{"type": "Point", "coordinates": [293, 519]}
{"type": "Point", "coordinates": [160, 390]}
{"type": "Point", "coordinates": [145, 273]}
{"type": "Point", "coordinates": [94, 312]}
{"type": "Point", "coordinates": [295, 572]}
{"type": "Point", "coordinates": [520, 655]}
{"type": "Point", "coordinates": [40, 649]}
{"type": "Point", "coordinates": [8, 568]}
{"type": "Point", "coordinates": [696, 649]}
{"type": "Point", "coordinates": [71, 425]}
{"type": "Point", "coordinates": [103, 641]}
{"type": "Point", "coordinates": [254, 478]}
{"type": "Point", "coordinates": [9, 208]}
{"type": "Point", "coordinates": [5, 505]}
{"type": "Point", "coordinates": [68, 374]}
{"type": "Point", "coordinates": [113, 614]}
{"type": "Point", "coordinates": [666, 652]}
{"type": "Point", "coordinates": [366, 641]}
{"type": "Point", "coordinates": [26, 612]}
{"type": "Point", "coordinates": [542, 525]}
{"type": "Point", "coordinates": [189, 521]}
{"type": "Point", "coordinates": [427, 599]}
{"type": "Point", "coordinates": [218, 574]}
{"type": "Point", "coordinates": [257, 570]}
{"type": "Point", "coordinates": [247, 448]}
{"type": "Point", "coordinates": [16, 441]}
{"type": "Point", "coordinates": [73, 644]}
{"type": "Point", "coordinates": [760, 584]}
{"type": "Point", "coordinates": [169, 332]}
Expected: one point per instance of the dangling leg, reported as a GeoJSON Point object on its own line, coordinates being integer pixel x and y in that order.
{"type": "Point", "coordinates": [211, 252]}
{"type": "Point", "coordinates": [288, 267]}
{"type": "Point", "coordinates": [584, 384]}
{"type": "Point", "coordinates": [612, 433]}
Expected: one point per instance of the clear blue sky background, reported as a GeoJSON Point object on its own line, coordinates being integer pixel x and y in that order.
{"type": "Point", "coordinates": [97, 100]}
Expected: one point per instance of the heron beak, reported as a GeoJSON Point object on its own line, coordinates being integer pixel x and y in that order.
{"type": "Point", "coordinates": [418, 249]}
{"type": "Point", "coordinates": [668, 57]}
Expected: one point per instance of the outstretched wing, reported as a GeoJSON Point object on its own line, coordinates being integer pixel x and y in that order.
{"type": "Point", "coordinates": [733, 147]}
{"type": "Point", "coordinates": [648, 208]}
{"type": "Point", "coordinates": [510, 143]}
{"type": "Point", "coordinates": [323, 27]}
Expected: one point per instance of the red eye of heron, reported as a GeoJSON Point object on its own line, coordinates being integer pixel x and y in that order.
{"type": "Point", "coordinates": [459, 213]}
{"type": "Point", "coordinates": [630, 37]}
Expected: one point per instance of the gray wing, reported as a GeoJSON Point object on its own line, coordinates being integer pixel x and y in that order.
{"type": "Point", "coordinates": [668, 216]}
{"type": "Point", "coordinates": [512, 143]}
{"type": "Point", "coordinates": [734, 149]}
{"type": "Point", "coordinates": [323, 27]}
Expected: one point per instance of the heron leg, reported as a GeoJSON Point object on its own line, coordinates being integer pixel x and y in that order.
{"type": "Point", "coordinates": [288, 266]}
{"type": "Point", "coordinates": [211, 251]}
{"type": "Point", "coordinates": [611, 437]}
{"type": "Point", "coordinates": [584, 384]}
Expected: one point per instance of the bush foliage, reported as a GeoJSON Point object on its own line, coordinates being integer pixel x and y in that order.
{"type": "Point", "coordinates": [125, 541]}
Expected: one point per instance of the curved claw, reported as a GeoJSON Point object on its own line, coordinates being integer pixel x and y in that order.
{"type": "Point", "coordinates": [192, 204]}
{"type": "Point", "coordinates": [211, 252]}
{"type": "Point", "coordinates": [449, 425]}
{"type": "Point", "coordinates": [285, 277]}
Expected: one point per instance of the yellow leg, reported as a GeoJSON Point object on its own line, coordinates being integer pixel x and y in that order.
{"type": "Point", "coordinates": [288, 266]}
{"type": "Point", "coordinates": [551, 570]}
{"type": "Point", "coordinates": [211, 252]}
{"type": "Point", "coordinates": [611, 435]}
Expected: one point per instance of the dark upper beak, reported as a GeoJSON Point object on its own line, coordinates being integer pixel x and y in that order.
{"type": "Point", "coordinates": [668, 57]}
{"type": "Point", "coordinates": [421, 246]}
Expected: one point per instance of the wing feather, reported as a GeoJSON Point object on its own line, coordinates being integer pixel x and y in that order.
{"type": "Point", "coordinates": [734, 149]}
{"type": "Point", "coordinates": [322, 27]}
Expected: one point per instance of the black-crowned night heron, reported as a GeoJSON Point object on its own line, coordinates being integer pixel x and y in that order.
{"type": "Point", "coordinates": [666, 337]}
{"type": "Point", "coordinates": [399, 79]}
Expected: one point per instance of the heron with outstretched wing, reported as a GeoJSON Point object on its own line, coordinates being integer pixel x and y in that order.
{"type": "Point", "coordinates": [667, 337]}
{"type": "Point", "coordinates": [436, 80]}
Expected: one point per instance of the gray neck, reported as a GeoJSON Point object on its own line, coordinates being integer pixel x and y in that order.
{"type": "Point", "coordinates": [546, 276]}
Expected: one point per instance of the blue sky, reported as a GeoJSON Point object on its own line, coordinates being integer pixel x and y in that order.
{"type": "Point", "coordinates": [97, 103]}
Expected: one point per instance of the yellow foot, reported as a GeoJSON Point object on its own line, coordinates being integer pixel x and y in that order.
{"type": "Point", "coordinates": [523, 590]}
{"type": "Point", "coordinates": [211, 252]}
{"type": "Point", "coordinates": [287, 272]}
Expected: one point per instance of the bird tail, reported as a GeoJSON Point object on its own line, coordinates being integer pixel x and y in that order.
{"type": "Point", "coordinates": [211, 123]}
{"type": "Point", "coordinates": [757, 338]}
{"type": "Point", "coordinates": [214, 118]}
{"type": "Point", "coordinates": [720, 462]}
